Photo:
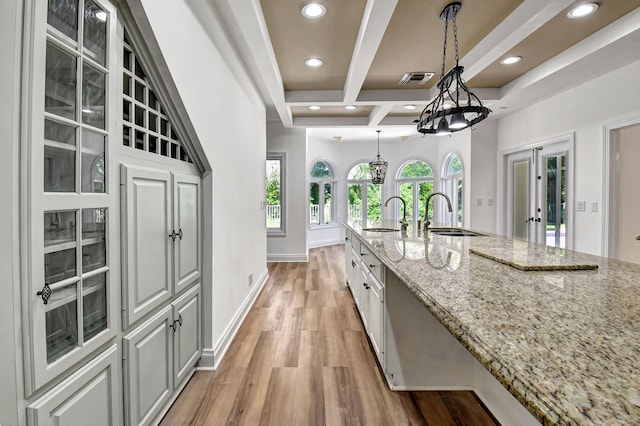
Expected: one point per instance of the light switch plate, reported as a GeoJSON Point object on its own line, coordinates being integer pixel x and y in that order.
{"type": "Point", "coordinates": [479, 201]}
{"type": "Point", "coordinates": [594, 206]}
{"type": "Point", "coordinates": [581, 206]}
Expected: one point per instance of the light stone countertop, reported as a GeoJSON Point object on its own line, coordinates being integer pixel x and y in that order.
{"type": "Point", "coordinates": [565, 343]}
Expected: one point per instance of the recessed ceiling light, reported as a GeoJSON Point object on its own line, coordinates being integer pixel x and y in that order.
{"type": "Point", "coordinates": [313, 10]}
{"type": "Point", "coordinates": [350, 107]}
{"type": "Point", "coordinates": [583, 10]}
{"type": "Point", "coordinates": [313, 62]}
{"type": "Point", "coordinates": [314, 107]}
{"type": "Point", "coordinates": [511, 60]}
{"type": "Point", "coordinates": [409, 107]}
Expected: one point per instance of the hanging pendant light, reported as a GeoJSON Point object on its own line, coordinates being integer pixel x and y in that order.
{"type": "Point", "coordinates": [455, 107]}
{"type": "Point", "coordinates": [378, 166]}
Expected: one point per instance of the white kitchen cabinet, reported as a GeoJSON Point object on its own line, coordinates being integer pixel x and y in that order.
{"type": "Point", "coordinates": [187, 224]}
{"type": "Point", "coordinates": [147, 249]}
{"type": "Point", "coordinates": [90, 396]}
{"type": "Point", "coordinates": [375, 316]}
{"type": "Point", "coordinates": [159, 355]}
{"type": "Point", "coordinates": [161, 228]}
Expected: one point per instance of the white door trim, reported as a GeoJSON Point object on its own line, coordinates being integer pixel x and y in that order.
{"type": "Point", "coordinates": [609, 187]}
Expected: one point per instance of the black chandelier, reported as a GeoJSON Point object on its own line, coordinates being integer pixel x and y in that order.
{"type": "Point", "coordinates": [378, 166]}
{"type": "Point", "coordinates": [463, 109]}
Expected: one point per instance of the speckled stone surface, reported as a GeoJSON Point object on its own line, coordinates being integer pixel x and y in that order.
{"type": "Point", "coordinates": [565, 343]}
{"type": "Point", "coordinates": [535, 257]}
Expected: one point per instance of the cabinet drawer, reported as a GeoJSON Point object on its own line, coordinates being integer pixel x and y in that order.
{"type": "Point", "coordinates": [371, 262]}
{"type": "Point", "coordinates": [90, 396]}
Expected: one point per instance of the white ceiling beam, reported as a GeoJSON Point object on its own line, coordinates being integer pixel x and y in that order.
{"type": "Point", "coordinates": [249, 30]}
{"type": "Point", "coordinates": [520, 24]}
{"type": "Point", "coordinates": [378, 113]}
{"type": "Point", "coordinates": [331, 121]}
{"type": "Point", "coordinates": [375, 19]}
{"type": "Point", "coordinates": [396, 95]}
{"type": "Point", "coordinates": [307, 97]}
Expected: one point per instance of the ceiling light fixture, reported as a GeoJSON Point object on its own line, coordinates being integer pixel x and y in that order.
{"type": "Point", "coordinates": [583, 10]}
{"type": "Point", "coordinates": [350, 107]}
{"type": "Point", "coordinates": [378, 166]}
{"type": "Point", "coordinates": [313, 10]}
{"type": "Point", "coordinates": [409, 107]}
{"type": "Point", "coordinates": [466, 108]}
{"type": "Point", "coordinates": [313, 62]}
{"type": "Point", "coordinates": [314, 107]}
{"type": "Point", "coordinates": [511, 60]}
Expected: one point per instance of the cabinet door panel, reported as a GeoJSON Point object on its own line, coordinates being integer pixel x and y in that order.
{"type": "Point", "coordinates": [89, 396]}
{"type": "Point", "coordinates": [187, 342]}
{"type": "Point", "coordinates": [186, 222]}
{"type": "Point", "coordinates": [147, 249]}
{"type": "Point", "coordinates": [149, 359]}
{"type": "Point", "coordinates": [376, 317]}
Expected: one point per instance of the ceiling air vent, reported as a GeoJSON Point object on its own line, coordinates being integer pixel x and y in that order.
{"type": "Point", "coordinates": [415, 78]}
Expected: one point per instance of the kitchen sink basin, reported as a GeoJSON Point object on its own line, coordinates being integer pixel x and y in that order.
{"type": "Point", "coordinates": [380, 229]}
{"type": "Point", "coordinates": [454, 232]}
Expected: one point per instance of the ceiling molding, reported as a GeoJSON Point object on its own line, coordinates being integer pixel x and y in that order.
{"type": "Point", "coordinates": [379, 113]}
{"type": "Point", "coordinates": [330, 121]}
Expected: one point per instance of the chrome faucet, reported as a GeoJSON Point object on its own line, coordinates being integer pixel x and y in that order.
{"type": "Point", "coordinates": [426, 209]}
{"type": "Point", "coordinates": [403, 222]}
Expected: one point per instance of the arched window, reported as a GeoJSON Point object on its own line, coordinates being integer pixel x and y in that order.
{"type": "Point", "coordinates": [321, 205]}
{"type": "Point", "coordinates": [364, 198]}
{"type": "Point", "coordinates": [414, 183]}
{"type": "Point", "coordinates": [452, 175]}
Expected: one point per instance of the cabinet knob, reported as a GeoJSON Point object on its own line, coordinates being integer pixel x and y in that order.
{"type": "Point", "coordinates": [372, 266]}
{"type": "Point", "coordinates": [45, 293]}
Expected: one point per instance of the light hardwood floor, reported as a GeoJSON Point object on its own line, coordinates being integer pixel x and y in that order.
{"type": "Point", "coordinates": [301, 357]}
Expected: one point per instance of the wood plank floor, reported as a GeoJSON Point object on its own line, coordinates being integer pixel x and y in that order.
{"type": "Point", "coordinates": [301, 357]}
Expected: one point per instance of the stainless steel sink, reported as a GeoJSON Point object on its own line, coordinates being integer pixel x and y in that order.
{"type": "Point", "coordinates": [380, 229]}
{"type": "Point", "coordinates": [454, 232]}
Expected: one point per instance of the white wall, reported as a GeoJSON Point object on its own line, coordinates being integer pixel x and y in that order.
{"type": "Point", "coordinates": [293, 142]}
{"type": "Point", "coordinates": [10, 329]}
{"type": "Point", "coordinates": [482, 182]}
{"type": "Point", "coordinates": [229, 118]}
{"type": "Point", "coordinates": [583, 111]}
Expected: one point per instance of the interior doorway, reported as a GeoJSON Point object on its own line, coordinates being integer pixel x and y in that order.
{"type": "Point", "coordinates": [539, 193]}
{"type": "Point", "coordinates": [623, 236]}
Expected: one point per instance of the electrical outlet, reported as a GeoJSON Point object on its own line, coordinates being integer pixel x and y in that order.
{"type": "Point", "coordinates": [479, 201]}
{"type": "Point", "coordinates": [250, 279]}
{"type": "Point", "coordinates": [594, 206]}
{"type": "Point", "coordinates": [490, 202]}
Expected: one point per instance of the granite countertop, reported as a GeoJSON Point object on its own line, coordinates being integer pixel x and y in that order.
{"type": "Point", "coordinates": [565, 343]}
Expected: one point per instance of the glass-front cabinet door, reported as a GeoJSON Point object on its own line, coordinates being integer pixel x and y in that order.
{"type": "Point", "coordinates": [71, 235]}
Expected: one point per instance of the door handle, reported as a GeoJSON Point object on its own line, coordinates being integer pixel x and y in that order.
{"type": "Point", "coordinates": [529, 220]}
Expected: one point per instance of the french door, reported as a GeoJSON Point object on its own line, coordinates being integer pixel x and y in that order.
{"type": "Point", "coordinates": [539, 196]}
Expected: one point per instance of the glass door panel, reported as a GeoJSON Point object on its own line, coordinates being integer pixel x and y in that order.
{"type": "Point", "coordinates": [60, 83]}
{"type": "Point", "coordinates": [314, 205]}
{"type": "Point", "coordinates": [406, 193]}
{"type": "Point", "coordinates": [61, 322]}
{"type": "Point", "coordinates": [424, 190]}
{"type": "Point", "coordinates": [374, 202]}
{"type": "Point", "coordinates": [95, 32]}
{"type": "Point", "coordinates": [521, 197]}
{"type": "Point", "coordinates": [93, 165]}
{"type": "Point", "coordinates": [93, 96]}
{"type": "Point", "coordinates": [327, 202]}
{"type": "Point", "coordinates": [63, 16]}
{"type": "Point", "coordinates": [556, 192]}
{"type": "Point", "coordinates": [94, 248]}
{"type": "Point", "coordinates": [354, 214]}
{"type": "Point", "coordinates": [94, 306]}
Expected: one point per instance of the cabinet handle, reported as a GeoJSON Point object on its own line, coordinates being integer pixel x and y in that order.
{"type": "Point", "coordinates": [353, 264]}
{"type": "Point", "coordinates": [363, 254]}
{"type": "Point", "coordinates": [180, 235]}
{"type": "Point", "coordinates": [173, 234]}
{"type": "Point", "coordinates": [346, 238]}
{"type": "Point", "coordinates": [366, 286]}
{"type": "Point", "coordinates": [372, 266]}
{"type": "Point", "coordinates": [45, 293]}
{"type": "Point", "coordinates": [179, 320]}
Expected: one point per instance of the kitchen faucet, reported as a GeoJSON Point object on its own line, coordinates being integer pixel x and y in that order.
{"type": "Point", "coordinates": [426, 209]}
{"type": "Point", "coordinates": [403, 222]}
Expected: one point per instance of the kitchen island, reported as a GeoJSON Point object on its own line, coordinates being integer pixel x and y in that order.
{"type": "Point", "coordinates": [562, 334]}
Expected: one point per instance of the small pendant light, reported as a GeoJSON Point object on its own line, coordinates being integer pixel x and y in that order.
{"type": "Point", "coordinates": [378, 166]}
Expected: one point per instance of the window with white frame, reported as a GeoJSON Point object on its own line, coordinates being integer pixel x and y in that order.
{"type": "Point", "coordinates": [414, 183]}
{"type": "Point", "coordinates": [364, 199]}
{"type": "Point", "coordinates": [452, 180]}
{"type": "Point", "coordinates": [321, 205]}
{"type": "Point", "coordinates": [275, 190]}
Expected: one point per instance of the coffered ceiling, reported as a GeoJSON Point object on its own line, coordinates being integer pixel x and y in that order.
{"type": "Point", "coordinates": [368, 45]}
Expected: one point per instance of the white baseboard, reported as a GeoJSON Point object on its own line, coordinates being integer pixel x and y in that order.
{"type": "Point", "coordinates": [287, 257]}
{"type": "Point", "coordinates": [211, 357]}
{"type": "Point", "coordinates": [324, 243]}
